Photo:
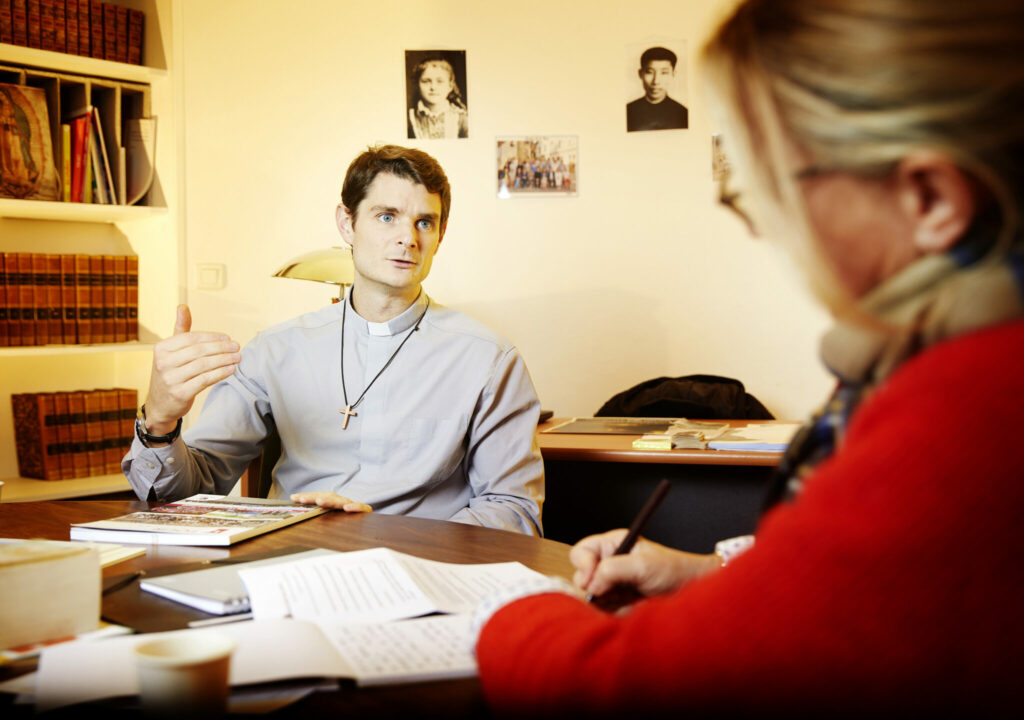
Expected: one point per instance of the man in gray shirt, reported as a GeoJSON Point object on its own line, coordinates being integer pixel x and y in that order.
{"type": "Point", "coordinates": [386, 400]}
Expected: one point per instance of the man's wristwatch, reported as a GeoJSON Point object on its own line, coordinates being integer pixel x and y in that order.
{"type": "Point", "coordinates": [145, 438]}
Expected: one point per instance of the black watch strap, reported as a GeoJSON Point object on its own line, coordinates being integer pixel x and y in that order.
{"type": "Point", "coordinates": [143, 433]}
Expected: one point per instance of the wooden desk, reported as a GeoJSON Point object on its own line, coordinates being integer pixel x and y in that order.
{"type": "Point", "coordinates": [434, 539]}
{"type": "Point", "coordinates": [599, 482]}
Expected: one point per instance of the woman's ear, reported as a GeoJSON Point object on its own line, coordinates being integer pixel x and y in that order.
{"type": "Point", "coordinates": [938, 199]}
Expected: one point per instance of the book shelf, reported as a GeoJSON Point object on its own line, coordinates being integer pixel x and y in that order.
{"type": "Point", "coordinates": [149, 230]}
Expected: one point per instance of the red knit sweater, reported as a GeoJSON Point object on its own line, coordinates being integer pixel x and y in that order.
{"type": "Point", "coordinates": [894, 583]}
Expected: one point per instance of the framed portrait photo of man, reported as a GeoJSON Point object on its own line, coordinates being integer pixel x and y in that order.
{"type": "Point", "coordinates": [656, 86]}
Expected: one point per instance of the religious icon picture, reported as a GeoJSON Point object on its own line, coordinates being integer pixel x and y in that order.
{"type": "Point", "coordinates": [27, 168]}
{"type": "Point", "coordinates": [538, 165]}
{"type": "Point", "coordinates": [656, 86]}
{"type": "Point", "coordinates": [435, 94]}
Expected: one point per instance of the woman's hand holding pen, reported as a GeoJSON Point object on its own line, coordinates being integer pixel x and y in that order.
{"type": "Point", "coordinates": [649, 568]}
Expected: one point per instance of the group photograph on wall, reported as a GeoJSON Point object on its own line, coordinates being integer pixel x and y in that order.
{"type": "Point", "coordinates": [538, 165]}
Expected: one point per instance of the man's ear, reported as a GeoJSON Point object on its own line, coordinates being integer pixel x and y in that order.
{"type": "Point", "coordinates": [346, 223]}
{"type": "Point", "coordinates": [939, 200]}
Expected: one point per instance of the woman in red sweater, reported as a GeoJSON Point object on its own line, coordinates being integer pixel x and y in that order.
{"type": "Point", "coordinates": [884, 139]}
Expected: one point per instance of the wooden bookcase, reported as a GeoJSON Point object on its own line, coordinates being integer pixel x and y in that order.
{"type": "Point", "coordinates": [150, 230]}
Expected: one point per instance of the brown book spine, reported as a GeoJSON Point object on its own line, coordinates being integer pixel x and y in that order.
{"type": "Point", "coordinates": [34, 26]}
{"type": "Point", "coordinates": [79, 439]}
{"type": "Point", "coordinates": [27, 300]}
{"type": "Point", "coordinates": [83, 299]}
{"type": "Point", "coordinates": [55, 310]}
{"type": "Point", "coordinates": [71, 26]}
{"type": "Point", "coordinates": [40, 300]}
{"type": "Point", "coordinates": [94, 432]}
{"type": "Point", "coordinates": [128, 399]}
{"type": "Point", "coordinates": [96, 296]}
{"type": "Point", "coordinates": [121, 33]}
{"type": "Point", "coordinates": [95, 28]}
{"type": "Point", "coordinates": [63, 414]}
{"type": "Point", "coordinates": [109, 298]}
{"type": "Point", "coordinates": [19, 22]}
{"type": "Point", "coordinates": [109, 11]}
{"type": "Point", "coordinates": [120, 299]}
{"type": "Point", "coordinates": [136, 25]}
{"type": "Point", "coordinates": [60, 29]}
{"type": "Point", "coordinates": [5, 339]}
{"type": "Point", "coordinates": [84, 31]}
{"type": "Point", "coordinates": [35, 439]}
{"type": "Point", "coordinates": [111, 405]}
{"type": "Point", "coordinates": [132, 276]}
{"type": "Point", "coordinates": [11, 311]}
{"type": "Point", "coordinates": [47, 38]}
{"type": "Point", "coordinates": [67, 299]}
{"type": "Point", "coordinates": [6, 22]}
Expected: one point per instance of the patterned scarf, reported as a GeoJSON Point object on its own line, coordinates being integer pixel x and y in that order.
{"type": "Point", "coordinates": [934, 299]}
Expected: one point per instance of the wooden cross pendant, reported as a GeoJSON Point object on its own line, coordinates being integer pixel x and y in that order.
{"type": "Point", "coordinates": [349, 412]}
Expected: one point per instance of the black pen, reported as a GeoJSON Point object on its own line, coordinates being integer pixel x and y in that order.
{"type": "Point", "coordinates": [641, 520]}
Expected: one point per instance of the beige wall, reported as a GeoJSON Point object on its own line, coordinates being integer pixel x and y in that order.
{"type": "Point", "coordinates": [639, 276]}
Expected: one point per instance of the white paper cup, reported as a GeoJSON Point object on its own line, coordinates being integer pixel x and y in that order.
{"type": "Point", "coordinates": [185, 674]}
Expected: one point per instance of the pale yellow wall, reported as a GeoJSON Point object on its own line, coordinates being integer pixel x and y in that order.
{"type": "Point", "coordinates": [642, 275]}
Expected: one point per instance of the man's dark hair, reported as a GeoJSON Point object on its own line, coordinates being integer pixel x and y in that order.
{"type": "Point", "coordinates": [403, 162]}
{"type": "Point", "coordinates": [657, 53]}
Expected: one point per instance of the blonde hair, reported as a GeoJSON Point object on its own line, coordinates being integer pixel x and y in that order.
{"type": "Point", "coordinates": [857, 85]}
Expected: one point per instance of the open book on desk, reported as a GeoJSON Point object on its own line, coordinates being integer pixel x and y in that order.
{"type": "Point", "coordinates": [361, 615]}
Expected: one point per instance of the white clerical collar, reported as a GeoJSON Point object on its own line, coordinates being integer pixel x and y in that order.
{"type": "Point", "coordinates": [398, 324]}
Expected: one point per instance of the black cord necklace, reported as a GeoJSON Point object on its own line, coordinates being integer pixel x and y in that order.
{"type": "Point", "coordinates": [349, 410]}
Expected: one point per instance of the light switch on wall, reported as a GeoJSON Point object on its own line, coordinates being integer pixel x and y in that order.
{"type": "Point", "coordinates": [211, 276]}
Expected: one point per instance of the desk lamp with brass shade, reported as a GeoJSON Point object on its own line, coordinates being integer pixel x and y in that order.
{"type": "Point", "coordinates": [331, 265]}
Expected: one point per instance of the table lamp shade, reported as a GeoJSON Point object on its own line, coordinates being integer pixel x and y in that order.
{"type": "Point", "coordinates": [331, 265]}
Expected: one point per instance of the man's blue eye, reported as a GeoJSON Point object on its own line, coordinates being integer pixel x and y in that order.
{"type": "Point", "coordinates": [425, 224]}
{"type": "Point", "coordinates": [386, 217]}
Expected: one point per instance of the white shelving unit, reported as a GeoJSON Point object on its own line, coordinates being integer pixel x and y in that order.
{"type": "Point", "coordinates": [149, 231]}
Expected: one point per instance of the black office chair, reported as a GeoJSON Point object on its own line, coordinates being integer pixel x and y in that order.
{"type": "Point", "coordinates": [258, 476]}
{"type": "Point", "coordinates": [696, 397]}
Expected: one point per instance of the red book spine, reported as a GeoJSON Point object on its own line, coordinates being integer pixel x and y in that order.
{"type": "Point", "coordinates": [55, 311]}
{"type": "Point", "coordinates": [6, 22]}
{"type": "Point", "coordinates": [4, 330]}
{"type": "Point", "coordinates": [83, 300]}
{"type": "Point", "coordinates": [34, 24]}
{"type": "Point", "coordinates": [78, 145]}
{"type": "Point", "coordinates": [79, 441]}
{"type": "Point", "coordinates": [132, 276]}
{"type": "Point", "coordinates": [136, 24]}
{"type": "Point", "coordinates": [19, 22]}
{"type": "Point", "coordinates": [27, 299]}
{"type": "Point", "coordinates": [94, 432]}
{"type": "Point", "coordinates": [71, 26]}
{"type": "Point", "coordinates": [67, 300]}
